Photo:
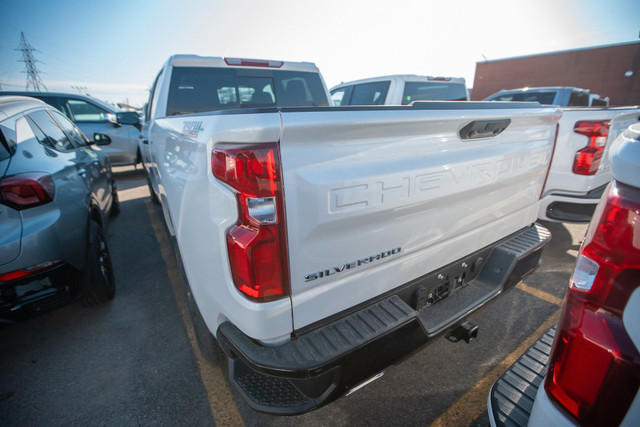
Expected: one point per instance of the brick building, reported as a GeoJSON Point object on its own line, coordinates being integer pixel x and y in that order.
{"type": "Point", "coordinates": [612, 71]}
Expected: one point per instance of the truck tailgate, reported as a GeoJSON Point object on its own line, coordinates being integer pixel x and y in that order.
{"type": "Point", "coordinates": [377, 197]}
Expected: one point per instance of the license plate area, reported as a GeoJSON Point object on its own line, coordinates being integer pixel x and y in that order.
{"type": "Point", "coordinates": [447, 282]}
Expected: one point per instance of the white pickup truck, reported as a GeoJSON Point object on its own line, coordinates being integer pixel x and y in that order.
{"type": "Point", "coordinates": [323, 245]}
{"type": "Point", "coordinates": [580, 168]}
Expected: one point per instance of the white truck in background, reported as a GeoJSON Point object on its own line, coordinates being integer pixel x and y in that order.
{"type": "Point", "coordinates": [399, 89]}
{"type": "Point", "coordinates": [322, 245]}
{"type": "Point", "coordinates": [580, 168]}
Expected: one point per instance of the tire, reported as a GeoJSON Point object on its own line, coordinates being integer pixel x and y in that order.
{"type": "Point", "coordinates": [154, 197]}
{"type": "Point", "coordinates": [97, 276]}
{"type": "Point", "coordinates": [115, 204]}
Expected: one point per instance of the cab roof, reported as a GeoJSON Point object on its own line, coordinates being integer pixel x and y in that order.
{"type": "Point", "coordinates": [404, 77]}
{"type": "Point", "coordinates": [12, 105]}
{"type": "Point", "coordinates": [220, 62]}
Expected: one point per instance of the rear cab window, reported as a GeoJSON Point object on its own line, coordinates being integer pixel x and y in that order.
{"type": "Point", "coordinates": [433, 91]}
{"type": "Point", "coordinates": [198, 89]}
{"type": "Point", "coordinates": [370, 93]}
{"type": "Point", "coordinates": [544, 98]}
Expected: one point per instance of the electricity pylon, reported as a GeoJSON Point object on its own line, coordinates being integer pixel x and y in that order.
{"type": "Point", "coordinates": [33, 74]}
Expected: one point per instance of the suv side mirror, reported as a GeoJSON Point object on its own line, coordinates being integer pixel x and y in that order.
{"type": "Point", "coordinates": [128, 118]}
{"type": "Point", "coordinates": [101, 139]}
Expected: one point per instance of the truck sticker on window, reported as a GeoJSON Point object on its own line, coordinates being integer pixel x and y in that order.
{"type": "Point", "coordinates": [192, 129]}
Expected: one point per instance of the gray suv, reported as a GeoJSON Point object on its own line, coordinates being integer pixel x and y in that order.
{"type": "Point", "coordinates": [117, 131]}
{"type": "Point", "coordinates": [56, 194]}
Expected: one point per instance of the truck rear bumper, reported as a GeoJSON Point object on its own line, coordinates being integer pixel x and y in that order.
{"type": "Point", "coordinates": [518, 390]}
{"type": "Point", "coordinates": [570, 208]}
{"type": "Point", "coordinates": [330, 359]}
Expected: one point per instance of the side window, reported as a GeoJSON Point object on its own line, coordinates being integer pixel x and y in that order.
{"type": "Point", "coordinates": [338, 97]}
{"type": "Point", "coordinates": [59, 103]}
{"type": "Point", "coordinates": [599, 102]}
{"type": "Point", "coordinates": [7, 139]}
{"type": "Point", "coordinates": [579, 99]}
{"type": "Point", "coordinates": [153, 97]}
{"type": "Point", "coordinates": [24, 131]}
{"type": "Point", "coordinates": [83, 112]}
{"type": "Point", "coordinates": [370, 93]}
{"type": "Point", "coordinates": [49, 133]}
{"type": "Point", "coordinates": [77, 137]}
{"type": "Point", "coordinates": [502, 98]}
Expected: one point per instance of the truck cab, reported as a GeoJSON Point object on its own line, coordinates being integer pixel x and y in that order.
{"type": "Point", "coordinates": [401, 89]}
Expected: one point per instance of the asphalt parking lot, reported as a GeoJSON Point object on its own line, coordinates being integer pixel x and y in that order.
{"type": "Point", "coordinates": [135, 360]}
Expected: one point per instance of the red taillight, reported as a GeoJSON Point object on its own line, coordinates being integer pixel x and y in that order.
{"type": "Point", "coordinates": [257, 244]}
{"type": "Point", "coordinates": [27, 190]}
{"type": "Point", "coordinates": [594, 369]}
{"type": "Point", "coordinates": [587, 159]}
{"type": "Point", "coordinates": [253, 62]}
{"type": "Point", "coordinates": [30, 271]}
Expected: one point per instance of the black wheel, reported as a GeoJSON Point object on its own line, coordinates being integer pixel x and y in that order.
{"type": "Point", "coordinates": [115, 204]}
{"type": "Point", "coordinates": [97, 276]}
{"type": "Point", "coordinates": [154, 197]}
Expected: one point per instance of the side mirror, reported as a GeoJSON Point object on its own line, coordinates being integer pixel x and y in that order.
{"type": "Point", "coordinates": [128, 118]}
{"type": "Point", "coordinates": [111, 118]}
{"type": "Point", "coordinates": [101, 139]}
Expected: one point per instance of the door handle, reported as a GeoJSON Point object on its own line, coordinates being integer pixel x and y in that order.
{"type": "Point", "coordinates": [484, 128]}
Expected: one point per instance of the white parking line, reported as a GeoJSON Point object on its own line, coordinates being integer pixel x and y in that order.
{"type": "Point", "coordinates": [539, 294]}
{"type": "Point", "coordinates": [474, 402]}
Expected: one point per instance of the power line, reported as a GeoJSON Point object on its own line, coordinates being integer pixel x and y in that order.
{"type": "Point", "coordinates": [33, 74]}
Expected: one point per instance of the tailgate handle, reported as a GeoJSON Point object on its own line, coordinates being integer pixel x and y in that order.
{"type": "Point", "coordinates": [484, 128]}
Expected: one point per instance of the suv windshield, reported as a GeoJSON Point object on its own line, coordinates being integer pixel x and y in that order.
{"type": "Point", "coordinates": [197, 89]}
{"type": "Point", "coordinates": [433, 91]}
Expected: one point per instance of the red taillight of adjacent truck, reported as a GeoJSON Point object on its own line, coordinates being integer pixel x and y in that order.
{"type": "Point", "coordinates": [257, 244]}
{"type": "Point", "coordinates": [587, 159]}
{"type": "Point", "coordinates": [594, 369]}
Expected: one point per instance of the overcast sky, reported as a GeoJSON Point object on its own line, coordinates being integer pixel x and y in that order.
{"type": "Point", "coordinates": [115, 48]}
